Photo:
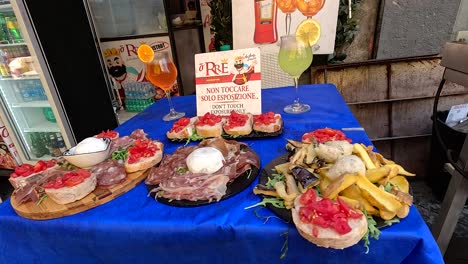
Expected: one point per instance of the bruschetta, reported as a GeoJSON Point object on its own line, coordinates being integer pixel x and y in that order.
{"type": "Point", "coordinates": [143, 154]}
{"type": "Point", "coordinates": [238, 124]}
{"type": "Point", "coordinates": [209, 125]}
{"type": "Point", "coordinates": [267, 122]}
{"type": "Point", "coordinates": [182, 128]}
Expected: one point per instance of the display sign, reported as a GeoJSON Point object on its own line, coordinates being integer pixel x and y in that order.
{"type": "Point", "coordinates": [9, 156]}
{"type": "Point", "coordinates": [123, 64]}
{"type": "Point", "coordinates": [262, 22]}
{"type": "Point", "coordinates": [228, 80]}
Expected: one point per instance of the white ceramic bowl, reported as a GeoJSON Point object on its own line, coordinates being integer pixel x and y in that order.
{"type": "Point", "coordinates": [86, 160]}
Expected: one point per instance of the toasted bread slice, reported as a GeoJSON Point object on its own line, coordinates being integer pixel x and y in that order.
{"type": "Point", "coordinates": [239, 130]}
{"type": "Point", "coordinates": [147, 162]}
{"type": "Point", "coordinates": [67, 195]}
{"type": "Point", "coordinates": [185, 132]}
{"type": "Point", "coordinates": [328, 237]}
{"type": "Point", "coordinates": [271, 127]}
{"type": "Point", "coordinates": [209, 130]}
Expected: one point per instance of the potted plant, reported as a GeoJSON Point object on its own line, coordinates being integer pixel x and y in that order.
{"type": "Point", "coordinates": [221, 23]}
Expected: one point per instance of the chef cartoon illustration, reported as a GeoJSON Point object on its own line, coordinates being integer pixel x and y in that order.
{"type": "Point", "coordinates": [119, 71]}
{"type": "Point", "coordinates": [242, 71]}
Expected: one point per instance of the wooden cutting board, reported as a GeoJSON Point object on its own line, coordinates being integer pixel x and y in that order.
{"type": "Point", "coordinates": [48, 209]}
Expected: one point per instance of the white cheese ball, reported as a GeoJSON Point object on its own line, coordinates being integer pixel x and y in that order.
{"type": "Point", "coordinates": [330, 151]}
{"type": "Point", "coordinates": [205, 160]}
{"type": "Point", "coordinates": [89, 145]}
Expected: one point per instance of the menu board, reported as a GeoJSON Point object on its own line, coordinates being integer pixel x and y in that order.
{"type": "Point", "coordinates": [228, 80]}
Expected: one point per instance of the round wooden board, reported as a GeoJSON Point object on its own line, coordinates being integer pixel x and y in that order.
{"type": "Point", "coordinates": [48, 209]}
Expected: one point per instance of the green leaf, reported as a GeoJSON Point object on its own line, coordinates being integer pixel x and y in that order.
{"type": "Point", "coordinates": [392, 221]}
{"type": "Point", "coordinates": [372, 231]}
{"type": "Point", "coordinates": [120, 154]}
{"type": "Point", "coordinates": [276, 178]}
{"type": "Point", "coordinates": [43, 197]}
{"type": "Point", "coordinates": [388, 187]}
{"type": "Point", "coordinates": [276, 202]}
{"type": "Point", "coordinates": [182, 170]}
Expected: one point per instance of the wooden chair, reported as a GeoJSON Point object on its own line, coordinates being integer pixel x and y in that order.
{"type": "Point", "coordinates": [455, 61]}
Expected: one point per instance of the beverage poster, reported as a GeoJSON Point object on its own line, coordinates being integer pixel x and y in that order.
{"type": "Point", "coordinates": [228, 80]}
{"type": "Point", "coordinates": [9, 156]}
{"type": "Point", "coordinates": [127, 71]}
{"type": "Point", "coordinates": [262, 22]}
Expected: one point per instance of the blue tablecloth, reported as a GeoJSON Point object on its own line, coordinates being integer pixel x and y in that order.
{"type": "Point", "coordinates": [134, 228]}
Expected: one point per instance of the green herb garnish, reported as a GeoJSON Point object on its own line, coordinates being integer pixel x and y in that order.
{"type": "Point", "coordinates": [250, 173]}
{"type": "Point", "coordinates": [392, 221]}
{"type": "Point", "coordinates": [277, 177]}
{"type": "Point", "coordinates": [372, 231]}
{"type": "Point", "coordinates": [194, 137]}
{"type": "Point", "coordinates": [276, 202]}
{"type": "Point", "coordinates": [182, 170]}
{"type": "Point", "coordinates": [284, 248]}
{"type": "Point", "coordinates": [388, 187]}
{"type": "Point", "coordinates": [43, 197]}
{"type": "Point", "coordinates": [120, 154]}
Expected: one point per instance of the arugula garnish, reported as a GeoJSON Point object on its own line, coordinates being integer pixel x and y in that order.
{"type": "Point", "coordinates": [43, 197]}
{"type": "Point", "coordinates": [284, 248]}
{"type": "Point", "coordinates": [388, 187]}
{"type": "Point", "coordinates": [276, 202]}
{"type": "Point", "coordinates": [182, 170]}
{"type": "Point", "coordinates": [277, 177]}
{"type": "Point", "coordinates": [120, 154]}
{"type": "Point", "coordinates": [372, 231]}
{"type": "Point", "coordinates": [194, 137]}
{"type": "Point", "coordinates": [392, 221]}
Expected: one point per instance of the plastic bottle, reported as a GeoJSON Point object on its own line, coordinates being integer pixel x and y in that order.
{"type": "Point", "coordinates": [60, 143]}
{"type": "Point", "coordinates": [12, 26]}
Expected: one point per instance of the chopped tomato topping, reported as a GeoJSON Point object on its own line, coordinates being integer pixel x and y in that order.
{"type": "Point", "coordinates": [180, 124]}
{"type": "Point", "coordinates": [265, 119]}
{"type": "Point", "coordinates": [208, 119]}
{"type": "Point", "coordinates": [25, 170]}
{"type": "Point", "coordinates": [236, 120]}
{"type": "Point", "coordinates": [324, 135]}
{"type": "Point", "coordinates": [326, 213]}
{"type": "Point", "coordinates": [142, 148]}
{"type": "Point", "coordinates": [69, 179]}
{"type": "Point", "coordinates": [107, 134]}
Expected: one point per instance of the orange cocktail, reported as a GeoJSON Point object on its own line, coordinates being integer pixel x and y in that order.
{"type": "Point", "coordinates": [286, 6]}
{"type": "Point", "coordinates": [309, 8]}
{"type": "Point", "coordinates": [162, 74]}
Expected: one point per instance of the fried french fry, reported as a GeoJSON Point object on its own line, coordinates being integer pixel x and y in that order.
{"type": "Point", "coordinates": [282, 168]}
{"type": "Point", "coordinates": [375, 175]}
{"type": "Point", "coordinates": [393, 172]}
{"type": "Point", "coordinates": [386, 215]}
{"type": "Point", "coordinates": [310, 155]}
{"type": "Point", "coordinates": [383, 160]}
{"type": "Point", "coordinates": [404, 211]}
{"type": "Point", "coordinates": [400, 183]}
{"type": "Point", "coordinates": [401, 170]}
{"type": "Point", "coordinates": [324, 182]}
{"type": "Point", "coordinates": [265, 192]}
{"type": "Point", "coordinates": [291, 186]}
{"type": "Point", "coordinates": [372, 155]}
{"type": "Point", "coordinates": [298, 157]}
{"type": "Point", "coordinates": [353, 203]}
{"type": "Point", "coordinates": [338, 185]}
{"type": "Point", "coordinates": [377, 197]}
{"type": "Point", "coordinates": [361, 152]}
{"type": "Point", "coordinates": [353, 192]}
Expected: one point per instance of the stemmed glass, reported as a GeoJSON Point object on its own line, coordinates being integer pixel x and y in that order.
{"type": "Point", "coordinates": [295, 56]}
{"type": "Point", "coordinates": [162, 72]}
{"type": "Point", "coordinates": [287, 7]}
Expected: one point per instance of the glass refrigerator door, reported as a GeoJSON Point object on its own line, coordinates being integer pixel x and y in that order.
{"type": "Point", "coordinates": [24, 100]}
{"type": "Point", "coordinates": [124, 18]}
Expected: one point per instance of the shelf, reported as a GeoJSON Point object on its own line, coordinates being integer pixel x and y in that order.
{"type": "Point", "coordinates": [43, 127]}
{"type": "Point", "coordinates": [12, 45]}
{"type": "Point", "coordinates": [31, 104]}
{"type": "Point", "coordinates": [4, 7]}
{"type": "Point", "coordinates": [29, 77]}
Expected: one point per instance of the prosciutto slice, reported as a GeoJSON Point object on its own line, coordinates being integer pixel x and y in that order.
{"type": "Point", "coordinates": [177, 183]}
{"type": "Point", "coordinates": [109, 173]}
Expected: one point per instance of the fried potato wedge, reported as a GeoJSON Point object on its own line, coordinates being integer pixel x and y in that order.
{"type": "Point", "coordinates": [355, 204]}
{"type": "Point", "coordinates": [353, 192]}
{"type": "Point", "coordinates": [404, 211]}
{"type": "Point", "coordinates": [375, 175]}
{"type": "Point", "coordinates": [377, 197]}
{"type": "Point", "coordinates": [400, 183]}
{"type": "Point", "coordinates": [310, 154]}
{"type": "Point", "coordinates": [402, 197]}
{"type": "Point", "coordinates": [393, 172]}
{"type": "Point", "coordinates": [383, 160]}
{"type": "Point", "coordinates": [401, 170]}
{"type": "Point", "coordinates": [386, 215]}
{"type": "Point", "coordinates": [265, 192]}
{"type": "Point", "coordinates": [338, 185]}
{"type": "Point", "coordinates": [362, 153]}
{"type": "Point", "coordinates": [372, 155]}
{"type": "Point", "coordinates": [282, 168]}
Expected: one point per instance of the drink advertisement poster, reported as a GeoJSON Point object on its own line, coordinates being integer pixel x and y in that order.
{"type": "Point", "coordinates": [228, 80]}
{"type": "Point", "coordinates": [262, 22]}
{"type": "Point", "coordinates": [124, 67]}
{"type": "Point", "coordinates": [9, 157]}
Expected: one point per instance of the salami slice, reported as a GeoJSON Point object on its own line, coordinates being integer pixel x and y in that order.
{"type": "Point", "coordinates": [109, 173]}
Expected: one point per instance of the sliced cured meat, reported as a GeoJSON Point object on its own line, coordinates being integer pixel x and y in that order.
{"type": "Point", "coordinates": [178, 183]}
{"type": "Point", "coordinates": [33, 190]}
{"type": "Point", "coordinates": [109, 173]}
{"type": "Point", "coordinates": [139, 134]}
{"type": "Point", "coordinates": [121, 142]}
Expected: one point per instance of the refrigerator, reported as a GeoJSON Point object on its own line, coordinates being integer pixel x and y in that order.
{"type": "Point", "coordinates": [53, 86]}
